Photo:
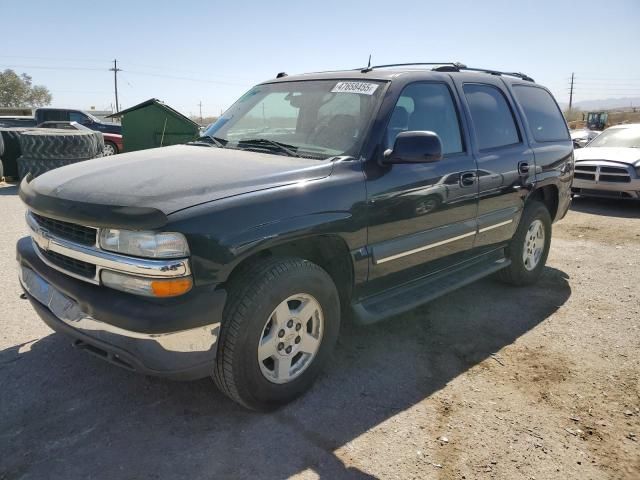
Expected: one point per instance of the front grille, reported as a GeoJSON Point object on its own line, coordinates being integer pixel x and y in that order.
{"type": "Point", "coordinates": [584, 176]}
{"type": "Point", "coordinates": [620, 170]}
{"type": "Point", "coordinates": [72, 265]}
{"type": "Point", "coordinates": [615, 178]}
{"type": "Point", "coordinates": [597, 173]}
{"type": "Point", "coordinates": [68, 231]}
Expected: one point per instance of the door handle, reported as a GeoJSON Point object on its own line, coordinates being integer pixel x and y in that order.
{"type": "Point", "coordinates": [467, 179]}
{"type": "Point", "coordinates": [523, 168]}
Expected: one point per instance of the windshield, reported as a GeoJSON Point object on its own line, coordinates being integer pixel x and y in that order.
{"type": "Point", "coordinates": [311, 119]}
{"type": "Point", "coordinates": [618, 137]}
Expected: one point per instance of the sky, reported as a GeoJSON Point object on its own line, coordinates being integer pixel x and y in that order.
{"type": "Point", "coordinates": [210, 52]}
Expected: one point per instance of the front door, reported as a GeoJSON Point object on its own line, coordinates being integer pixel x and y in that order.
{"type": "Point", "coordinates": [420, 213]}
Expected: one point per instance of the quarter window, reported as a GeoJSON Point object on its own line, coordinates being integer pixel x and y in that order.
{"type": "Point", "coordinates": [427, 106]}
{"type": "Point", "coordinates": [492, 117]}
{"type": "Point", "coordinates": [545, 119]}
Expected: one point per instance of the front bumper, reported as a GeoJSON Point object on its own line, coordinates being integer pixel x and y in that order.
{"type": "Point", "coordinates": [175, 338]}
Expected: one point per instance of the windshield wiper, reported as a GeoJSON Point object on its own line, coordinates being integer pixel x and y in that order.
{"type": "Point", "coordinates": [210, 140]}
{"type": "Point", "coordinates": [283, 147]}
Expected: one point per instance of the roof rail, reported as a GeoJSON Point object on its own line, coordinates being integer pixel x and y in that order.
{"type": "Point", "coordinates": [489, 71]}
{"type": "Point", "coordinates": [449, 67]}
{"type": "Point", "coordinates": [499, 73]}
{"type": "Point", "coordinates": [449, 64]}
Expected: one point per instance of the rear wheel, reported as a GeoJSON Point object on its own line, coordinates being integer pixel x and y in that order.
{"type": "Point", "coordinates": [280, 325]}
{"type": "Point", "coordinates": [109, 149]}
{"type": "Point", "coordinates": [529, 247]}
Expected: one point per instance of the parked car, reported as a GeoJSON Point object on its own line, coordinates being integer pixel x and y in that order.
{"type": "Point", "coordinates": [236, 256]}
{"type": "Point", "coordinates": [583, 136]}
{"type": "Point", "coordinates": [610, 165]}
{"type": "Point", "coordinates": [42, 115]}
{"type": "Point", "coordinates": [112, 141]}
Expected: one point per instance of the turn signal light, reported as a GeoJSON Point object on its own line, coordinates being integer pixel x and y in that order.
{"type": "Point", "coordinates": [171, 288]}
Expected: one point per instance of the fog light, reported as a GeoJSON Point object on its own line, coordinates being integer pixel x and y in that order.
{"type": "Point", "coordinates": [150, 287]}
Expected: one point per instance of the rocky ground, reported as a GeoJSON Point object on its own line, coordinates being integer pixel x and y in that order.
{"type": "Point", "coordinates": [489, 382]}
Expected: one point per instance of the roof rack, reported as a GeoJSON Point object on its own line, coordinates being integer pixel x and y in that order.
{"type": "Point", "coordinates": [499, 73]}
{"type": "Point", "coordinates": [450, 64]}
{"type": "Point", "coordinates": [450, 67]}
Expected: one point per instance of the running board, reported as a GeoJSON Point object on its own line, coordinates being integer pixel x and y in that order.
{"type": "Point", "coordinates": [410, 295]}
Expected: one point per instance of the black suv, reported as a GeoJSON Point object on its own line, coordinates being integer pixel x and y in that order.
{"type": "Point", "coordinates": [363, 192]}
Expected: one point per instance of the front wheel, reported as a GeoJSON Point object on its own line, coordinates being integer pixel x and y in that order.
{"type": "Point", "coordinates": [280, 325]}
{"type": "Point", "coordinates": [529, 247]}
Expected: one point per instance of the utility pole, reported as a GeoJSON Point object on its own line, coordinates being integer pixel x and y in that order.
{"type": "Point", "coordinates": [200, 105]}
{"type": "Point", "coordinates": [571, 92]}
{"type": "Point", "coordinates": [115, 71]}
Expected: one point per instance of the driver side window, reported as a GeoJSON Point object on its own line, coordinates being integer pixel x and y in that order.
{"type": "Point", "coordinates": [78, 117]}
{"type": "Point", "coordinates": [427, 106]}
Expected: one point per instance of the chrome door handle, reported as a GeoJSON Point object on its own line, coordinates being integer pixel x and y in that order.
{"type": "Point", "coordinates": [467, 179]}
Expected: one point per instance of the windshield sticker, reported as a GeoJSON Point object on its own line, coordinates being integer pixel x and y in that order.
{"type": "Point", "coordinates": [363, 88]}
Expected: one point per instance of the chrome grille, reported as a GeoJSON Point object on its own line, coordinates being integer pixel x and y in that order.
{"type": "Point", "coordinates": [602, 173]}
{"type": "Point", "coordinates": [69, 264]}
{"type": "Point", "coordinates": [73, 250]}
{"type": "Point", "coordinates": [68, 231]}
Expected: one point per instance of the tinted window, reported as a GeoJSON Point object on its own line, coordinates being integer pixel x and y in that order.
{"type": "Point", "coordinates": [427, 106]}
{"type": "Point", "coordinates": [545, 120]}
{"type": "Point", "coordinates": [491, 115]}
{"type": "Point", "coordinates": [78, 117]}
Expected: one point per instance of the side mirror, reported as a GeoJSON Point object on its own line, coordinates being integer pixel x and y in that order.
{"type": "Point", "coordinates": [414, 147]}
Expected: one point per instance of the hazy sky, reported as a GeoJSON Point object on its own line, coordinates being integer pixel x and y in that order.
{"type": "Point", "coordinates": [184, 52]}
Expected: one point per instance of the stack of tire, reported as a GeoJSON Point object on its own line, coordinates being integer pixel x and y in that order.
{"type": "Point", "coordinates": [10, 151]}
{"type": "Point", "coordinates": [46, 149]}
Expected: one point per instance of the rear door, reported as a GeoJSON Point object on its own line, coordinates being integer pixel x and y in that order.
{"type": "Point", "coordinates": [421, 213]}
{"type": "Point", "coordinates": [505, 160]}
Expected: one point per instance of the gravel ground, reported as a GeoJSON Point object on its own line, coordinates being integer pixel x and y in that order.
{"type": "Point", "coordinates": [489, 382]}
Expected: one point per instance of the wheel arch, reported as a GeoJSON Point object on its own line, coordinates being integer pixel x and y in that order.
{"type": "Point", "coordinates": [549, 195]}
{"type": "Point", "coordinates": [328, 251]}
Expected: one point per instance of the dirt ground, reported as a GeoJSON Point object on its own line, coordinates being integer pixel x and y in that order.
{"type": "Point", "coordinates": [489, 382]}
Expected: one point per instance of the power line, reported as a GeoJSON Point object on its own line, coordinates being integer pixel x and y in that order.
{"type": "Point", "coordinates": [42, 67]}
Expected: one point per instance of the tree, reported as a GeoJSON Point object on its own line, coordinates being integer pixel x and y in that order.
{"type": "Point", "coordinates": [18, 91]}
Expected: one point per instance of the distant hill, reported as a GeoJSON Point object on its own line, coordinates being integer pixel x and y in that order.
{"type": "Point", "coordinates": [605, 104]}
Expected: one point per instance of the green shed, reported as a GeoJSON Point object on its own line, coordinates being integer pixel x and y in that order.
{"type": "Point", "coordinates": [153, 124]}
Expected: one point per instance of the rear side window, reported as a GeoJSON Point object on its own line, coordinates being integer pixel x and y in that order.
{"type": "Point", "coordinates": [492, 117]}
{"type": "Point", "coordinates": [543, 115]}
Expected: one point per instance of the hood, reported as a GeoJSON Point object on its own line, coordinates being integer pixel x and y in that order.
{"type": "Point", "coordinates": [169, 179]}
{"type": "Point", "coordinates": [630, 156]}
{"type": "Point", "coordinates": [109, 128]}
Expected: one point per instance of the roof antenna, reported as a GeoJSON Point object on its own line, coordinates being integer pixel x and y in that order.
{"type": "Point", "coordinates": [368, 69]}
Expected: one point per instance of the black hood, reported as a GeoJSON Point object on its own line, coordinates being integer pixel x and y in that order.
{"type": "Point", "coordinates": [161, 180]}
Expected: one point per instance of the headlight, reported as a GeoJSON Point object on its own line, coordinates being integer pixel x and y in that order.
{"type": "Point", "coordinates": [150, 287]}
{"type": "Point", "coordinates": [144, 244]}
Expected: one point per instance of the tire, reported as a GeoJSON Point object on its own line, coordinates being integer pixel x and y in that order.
{"type": "Point", "coordinates": [522, 272]}
{"type": "Point", "coordinates": [250, 313]}
{"type": "Point", "coordinates": [60, 144]}
{"type": "Point", "coordinates": [12, 150]}
{"type": "Point", "coordinates": [38, 166]}
{"type": "Point", "coordinates": [110, 149]}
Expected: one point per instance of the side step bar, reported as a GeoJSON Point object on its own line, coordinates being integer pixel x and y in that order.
{"type": "Point", "coordinates": [410, 295]}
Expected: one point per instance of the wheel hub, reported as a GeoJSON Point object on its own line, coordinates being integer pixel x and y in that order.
{"type": "Point", "coordinates": [534, 242]}
{"type": "Point", "coordinates": [290, 338]}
